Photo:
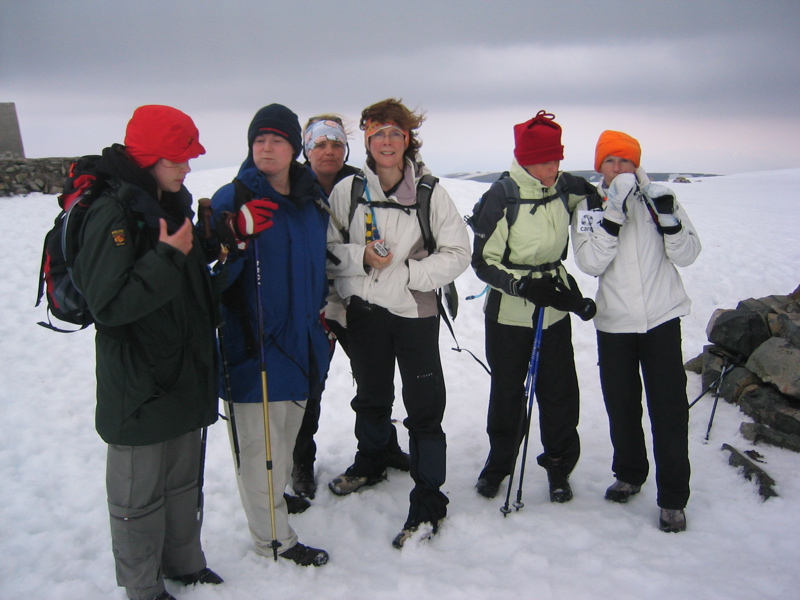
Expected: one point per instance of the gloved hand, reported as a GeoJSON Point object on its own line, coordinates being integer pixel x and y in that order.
{"type": "Point", "coordinates": [571, 300]}
{"type": "Point", "coordinates": [541, 291]}
{"type": "Point", "coordinates": [252, 218]}
{"type": "Point", "coordinates": [662, 200]}
{"type": "Point", "coordinates": [618, 192]}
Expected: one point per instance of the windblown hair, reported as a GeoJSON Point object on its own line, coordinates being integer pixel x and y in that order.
{"type": "Point", "coordinates": [394, 111]}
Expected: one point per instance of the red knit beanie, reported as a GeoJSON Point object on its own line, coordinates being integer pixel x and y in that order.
{"type": "Point", "coordinates": [538, 140]}
{"type": "Point", "coordinates": [156, 131]}
{"type": "Point", "coordinates": [616, 143]}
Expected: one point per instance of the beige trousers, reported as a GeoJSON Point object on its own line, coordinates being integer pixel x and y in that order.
{"type": "Point", "coordinates": [284, 423]}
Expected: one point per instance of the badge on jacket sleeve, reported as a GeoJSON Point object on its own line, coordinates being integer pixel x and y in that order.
{"type": "Point", "coordinates": [588, 219]}
{"type": "Point", "coordinates": [118, 235]}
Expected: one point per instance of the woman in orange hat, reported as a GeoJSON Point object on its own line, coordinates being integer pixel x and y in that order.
{"type": "Point", "coordinates": [144, 276]}
{"type": "Point", "coordinates": [634, 243]}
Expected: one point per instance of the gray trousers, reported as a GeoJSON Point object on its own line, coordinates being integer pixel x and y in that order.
{"type": "Point", "coordinates": [153, 497]}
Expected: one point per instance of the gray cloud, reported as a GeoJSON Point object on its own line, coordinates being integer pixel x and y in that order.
{"type": "Point", "coordinates": [77, 69]}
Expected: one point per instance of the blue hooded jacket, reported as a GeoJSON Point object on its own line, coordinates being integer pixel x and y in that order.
{"type": "Point", "coordinates": [292, 255]}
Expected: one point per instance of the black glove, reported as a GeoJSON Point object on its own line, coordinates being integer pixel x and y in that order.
{"type": "Point", "coordinates": [571, 300]}
{"type": "Point", "coordinates": [542, 291]}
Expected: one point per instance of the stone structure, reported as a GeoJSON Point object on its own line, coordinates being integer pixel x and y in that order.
{"type": "Point", "coordinates": [22, 176]}
{"type": "Point", "coordinates": [759, 341]}
{"type": "Point", "coordinates": [10, 137]}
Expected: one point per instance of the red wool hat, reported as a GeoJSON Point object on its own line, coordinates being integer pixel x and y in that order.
{"type": "Point", "coordinates": [616, 143]}
{"type": "Point", "coordinates": [538, 140]}
{"type": "Point", "coordinates": [156, 131]}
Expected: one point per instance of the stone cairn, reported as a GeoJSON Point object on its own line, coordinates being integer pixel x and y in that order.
{"type": "Point", "coordinates": [754, 362]}
{"type": "Point", "coordinates": [23, 176]}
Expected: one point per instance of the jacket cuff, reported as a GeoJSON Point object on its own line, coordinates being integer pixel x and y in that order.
{"type": "Point", "coordinates": [611, 227]}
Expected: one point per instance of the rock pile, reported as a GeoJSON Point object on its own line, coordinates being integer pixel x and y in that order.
{"type": "Point", "coordinates": [22, 176]}
{"type": "Point", "coordinates": [758, 345]}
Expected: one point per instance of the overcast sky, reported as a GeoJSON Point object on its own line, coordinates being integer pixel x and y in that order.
{"type": "Point", "coordinates": [706, 86]}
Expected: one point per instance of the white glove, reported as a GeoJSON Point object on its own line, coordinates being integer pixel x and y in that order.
{"type": "Point", "coordinates": [662, 201]}
{"type": "Point", "coordinates": [618, 192]}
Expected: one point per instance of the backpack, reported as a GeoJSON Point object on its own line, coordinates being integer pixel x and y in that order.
{"type": "Point", "coordinates": [567, 184]}
{"type": "Point", "coordinates": [423, 207]}
{"type": "Point", "coordinates": [65, 301]}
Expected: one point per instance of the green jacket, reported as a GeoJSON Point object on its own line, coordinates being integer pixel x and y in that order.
{"type": "Point", "coordinates": [535, 243]}
{"type": "Point", "coordinates": [156, 373]}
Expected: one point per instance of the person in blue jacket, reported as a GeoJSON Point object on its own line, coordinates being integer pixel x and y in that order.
{"type": "Point", "coordinates": [274, 218]}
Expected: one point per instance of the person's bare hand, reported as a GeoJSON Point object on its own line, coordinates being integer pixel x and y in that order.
{"type": "Point", "coordinates": [375, 260]}
{"type": "Point", "coordinates": [181, 239]}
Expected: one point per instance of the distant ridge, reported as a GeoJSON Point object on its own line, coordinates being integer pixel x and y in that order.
{"type": "Point", "coordinates": [591, 176]}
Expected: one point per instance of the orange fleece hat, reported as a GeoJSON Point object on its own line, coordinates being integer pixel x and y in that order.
{"type": "Point", "coordinates": [616, 143]}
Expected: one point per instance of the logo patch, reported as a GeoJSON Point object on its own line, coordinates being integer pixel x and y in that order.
{"type": "Point", "coordinates": [118, 236]}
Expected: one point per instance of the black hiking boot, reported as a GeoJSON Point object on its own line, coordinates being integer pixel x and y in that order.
{"type": "Point", "coordinates": [306, 556]}
{"type": "Point", "coordinates": [205, 575]}
{"type": "Point", "coordinates": [487, 488]}
{"type": "Point", "coordinates": [295, 504]}
{"type": "Point", "coordinates": [303, 482]}
{"type": "Point", "coordinates": [558, 480]}
{"type": "Point", "coordinates": [397, 459]}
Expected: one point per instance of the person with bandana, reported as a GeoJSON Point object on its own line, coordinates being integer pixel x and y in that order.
{"type": "Point", "coordinates": [326, 149]}
{"type": "Point", "coordinates": [389, 281]}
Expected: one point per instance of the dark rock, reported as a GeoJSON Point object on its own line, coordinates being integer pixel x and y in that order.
{"type": "Point", "coordinates": [735, 382]}
{"type": "Point", "coordinates": [738, 331]}
{"type": "Point", "coordinates": [751, 470]}
{"type": "Point", "coordinates": [789, 328]}
{"type": "Point", "coordinates": [764, 404]}
{"type": "Point", "coordinates": [758, 433]}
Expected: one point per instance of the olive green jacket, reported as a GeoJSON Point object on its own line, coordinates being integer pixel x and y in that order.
{"type": "Point", "coordinates": [155, 314]}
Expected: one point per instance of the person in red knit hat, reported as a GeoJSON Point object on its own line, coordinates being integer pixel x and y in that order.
{"type": "Point", "coordinates": [633, 245]}
{"type": "Point", "coordinates": [145, 279]}
{"type": "Point", "coordinates": [518, 249]}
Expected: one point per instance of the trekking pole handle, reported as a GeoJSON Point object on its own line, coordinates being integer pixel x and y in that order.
{"type": "Point", "coordinates": [204, 213]}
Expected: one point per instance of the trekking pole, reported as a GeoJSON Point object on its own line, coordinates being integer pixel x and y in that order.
{"type": "Point", "coordinates": [204, 212]}
{"type": "Point", "coordinates": [201, 476]}
{"type": "Point", "coordinates": [727, 366]}
{"type": "Point", "coordinates": [229, 395]}
{"type": "Point", "coordinates": [530, 389]}
{"type": "Point", "coordinates": [265, 402]}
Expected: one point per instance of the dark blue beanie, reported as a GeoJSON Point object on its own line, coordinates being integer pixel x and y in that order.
{"type": "Point", "coordinates": [279, 120]}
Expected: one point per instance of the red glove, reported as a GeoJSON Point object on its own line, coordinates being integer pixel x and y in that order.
{"type": "Point", "coordinates": [253, 218]}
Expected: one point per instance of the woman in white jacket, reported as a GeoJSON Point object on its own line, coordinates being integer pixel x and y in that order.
{"type": "Point", "coordinates": [392, 311]}
{"type": "Point", "coordinates": [633, 244]}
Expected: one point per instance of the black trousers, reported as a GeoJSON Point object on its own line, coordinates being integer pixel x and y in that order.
{"type": "Point", "coordinates": [305, 448]}
{"type": "Point", "coordinates": [508, 351]}
{"type": "Point", "coordinates": [658, 352]}
{"type": "Point", "coordinates": [378, 339]}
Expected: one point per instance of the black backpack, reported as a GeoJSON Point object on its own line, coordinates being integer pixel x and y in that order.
{"type": "Point", "coordinates": [64, 300]}
{"type": "Point", "coordinates": [423, 207]}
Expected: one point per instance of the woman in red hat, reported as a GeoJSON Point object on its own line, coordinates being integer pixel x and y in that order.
{"type": "Point", "coordinates": [633, 245]}
{"type": "Point", "coordinates": [517, 250]}
{"type": "Point", "coordinates": [145, 279]}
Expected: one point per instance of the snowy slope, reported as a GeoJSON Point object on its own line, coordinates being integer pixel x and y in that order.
{"type": "Point", "coordinates": [54, 539]}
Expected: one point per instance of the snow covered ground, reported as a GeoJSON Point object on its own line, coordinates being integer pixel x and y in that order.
{"type": "Point", "coordinates": [54, 535]}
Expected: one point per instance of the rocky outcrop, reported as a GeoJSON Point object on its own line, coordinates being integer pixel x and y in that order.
{"type": "Point", "coordinates": [757, 344]}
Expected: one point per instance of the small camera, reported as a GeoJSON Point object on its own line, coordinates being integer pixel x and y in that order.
{"type": "Point", "coordinates": [380, 249]}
